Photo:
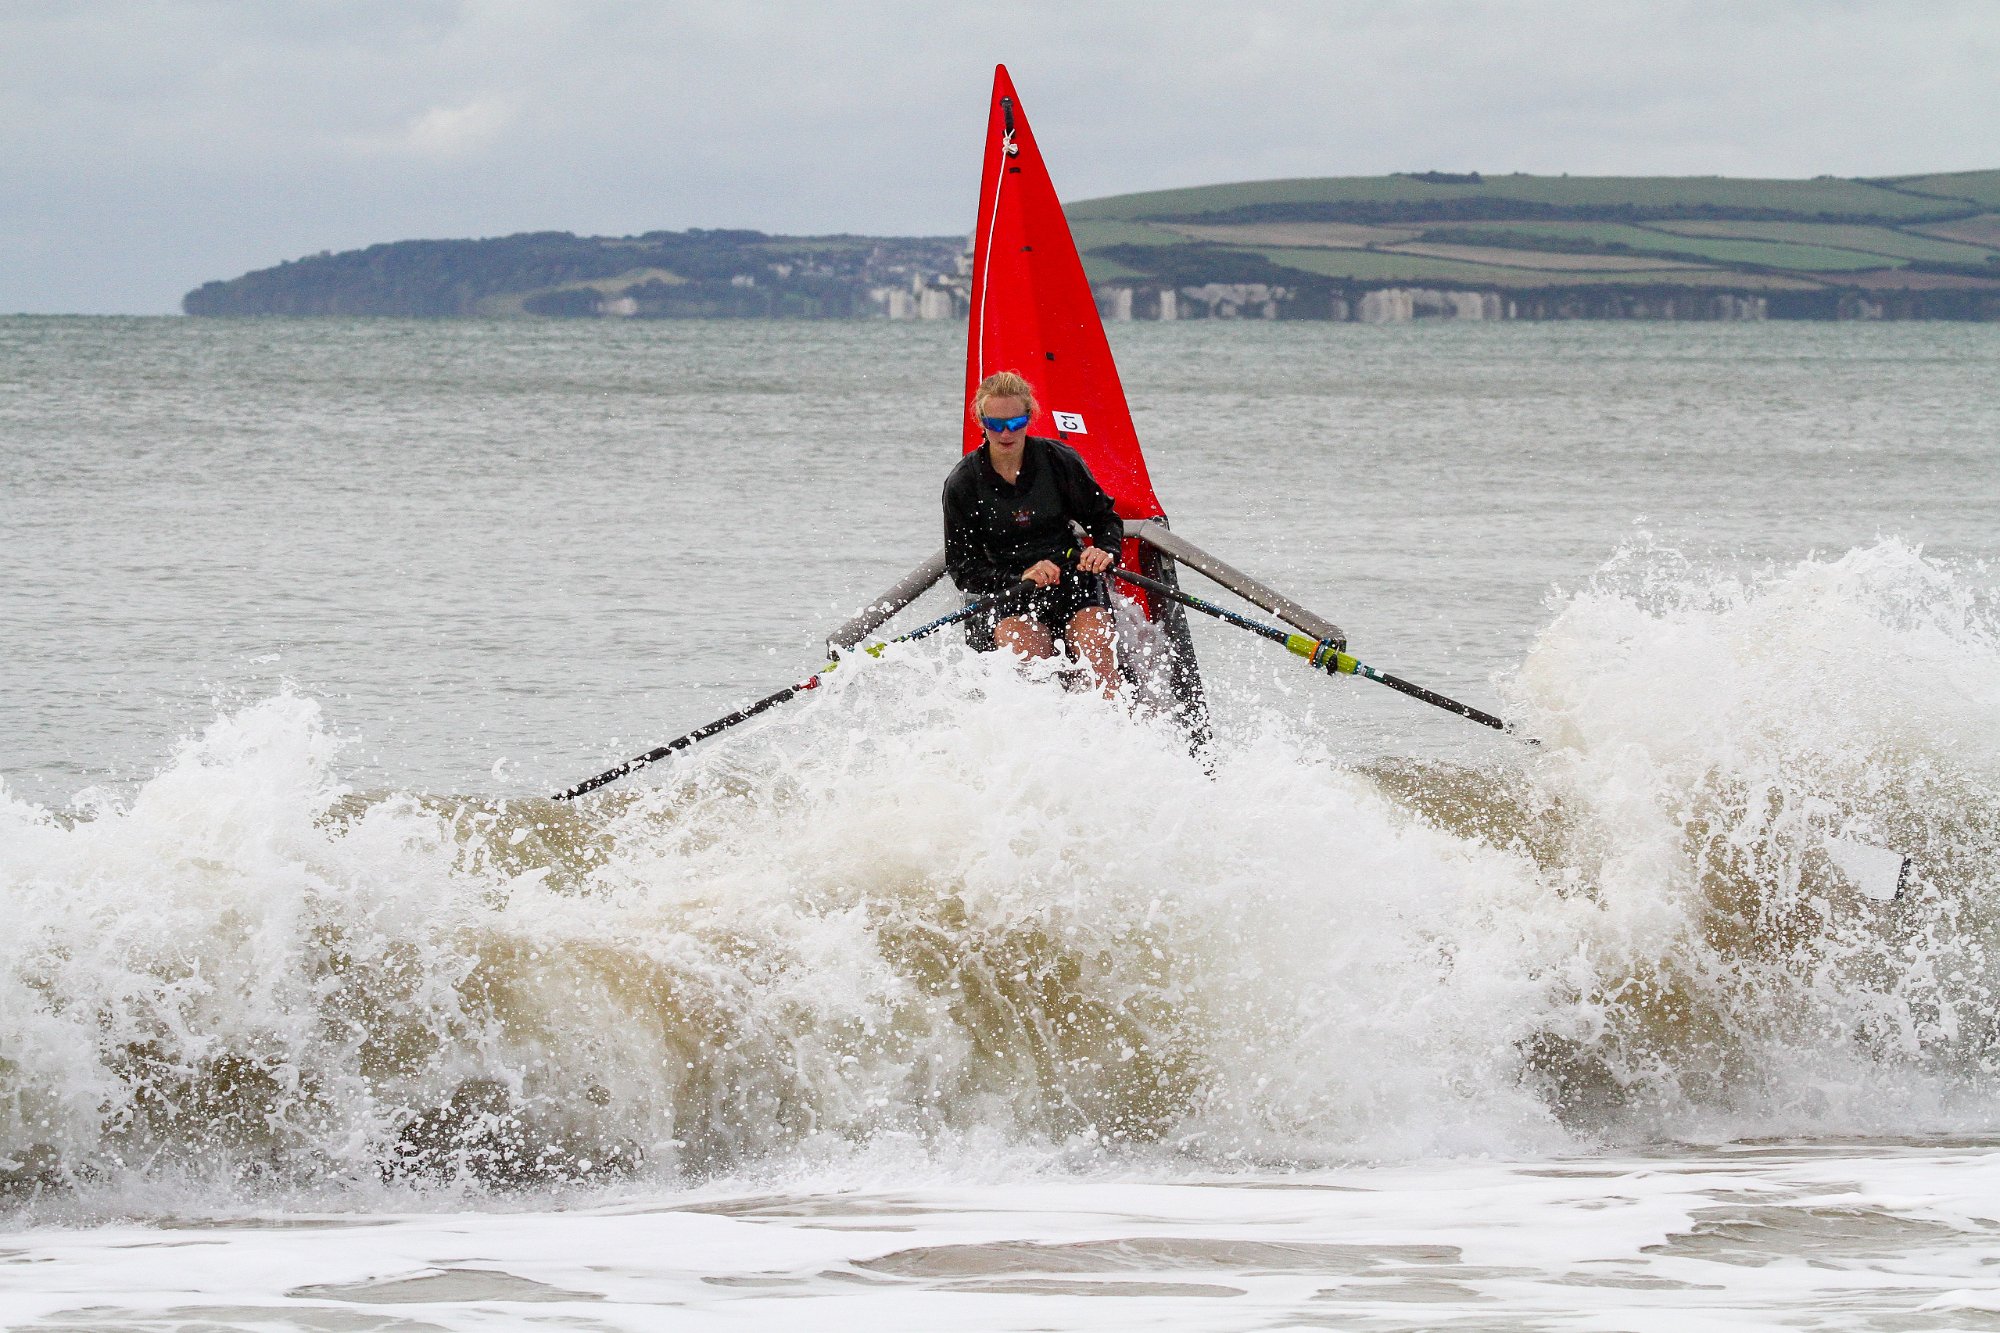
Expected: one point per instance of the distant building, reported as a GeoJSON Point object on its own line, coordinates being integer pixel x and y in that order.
{"type": "Point", "coordinates": [1396, 305]}
{"type": "Point", "coordinates": [935, 303]}
{"type": "Point", "coordinates": [1114, 302]}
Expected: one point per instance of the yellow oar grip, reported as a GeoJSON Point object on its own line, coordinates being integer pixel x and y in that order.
{"type": "Point", "coordinates": [1323, 655]}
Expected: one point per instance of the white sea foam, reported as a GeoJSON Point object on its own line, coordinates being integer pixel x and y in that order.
{"type": "Point", "coordinates": [1705, 734]}
{"type": "Point", "coordinates": [937, 912]}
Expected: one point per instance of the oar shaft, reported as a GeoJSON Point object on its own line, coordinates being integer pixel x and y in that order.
{"type": "Point", "coordinates": [1271, 632]}
{"type": "Point", "coordinates": [952, 618]}
{"type": "Point", "coordinates": [748, 711]}
{"type": "Point", "coordinates": [1434, 699]}
{"type": "Point", "coordinates": [1327, 656]}
{"type": "Point", "coordinates": [701, 733]}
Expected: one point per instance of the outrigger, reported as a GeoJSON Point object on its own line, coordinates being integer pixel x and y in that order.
{"type": "Point", "coordinates": [1032, 311]}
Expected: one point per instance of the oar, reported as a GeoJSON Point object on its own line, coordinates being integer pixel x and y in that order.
{"type": "Point", "coordinates": [1326, 656]}
{"type": "Point", "coordinates": [748, 711]}
{"type": "Point", "coordinates": [1880, 873]}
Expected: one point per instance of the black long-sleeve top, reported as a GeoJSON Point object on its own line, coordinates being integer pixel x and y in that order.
{"type": "Point", "coordinates": [993, 531]}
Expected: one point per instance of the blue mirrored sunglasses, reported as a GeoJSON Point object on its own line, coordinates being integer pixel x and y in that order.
{"type": "Point", "coordinates": [1001, 425]}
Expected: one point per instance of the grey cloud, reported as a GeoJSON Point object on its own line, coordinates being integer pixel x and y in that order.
{"type": "Point", "coordinates": [150, 146]}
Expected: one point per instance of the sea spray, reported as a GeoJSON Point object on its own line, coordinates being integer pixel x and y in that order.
{"type": "Point", "coordinates": [1706, 733]}
{"type": "Point", "coordinates": [881, 915]}
{"type": "Point", "coordinates": [939, 904]}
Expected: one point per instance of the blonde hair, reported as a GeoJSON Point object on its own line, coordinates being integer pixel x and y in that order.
{"type": "Point", "coordinates": [1002, 384]}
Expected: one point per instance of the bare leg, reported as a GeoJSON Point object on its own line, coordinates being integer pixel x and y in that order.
{"type": "Point", "coordinates": [1026, 637]}
{"type": "Point", "coordinates": [1091, 633]}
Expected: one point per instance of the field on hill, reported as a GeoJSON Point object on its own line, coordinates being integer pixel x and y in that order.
{"type": "Point", "coordinates": [1441, 194]}
{"type": "Point", "coordinates": [1587, 245]}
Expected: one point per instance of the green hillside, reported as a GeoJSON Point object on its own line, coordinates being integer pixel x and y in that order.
{"type": "Point", "coordinates": [1469, 245]}
{"type": "Point", "coordinates": [660, 275]}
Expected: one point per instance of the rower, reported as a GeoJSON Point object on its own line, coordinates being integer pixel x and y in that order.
{"type": "Point", "coordinates": [1008, 507]}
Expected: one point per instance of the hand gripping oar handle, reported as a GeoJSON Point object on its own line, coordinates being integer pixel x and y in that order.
{"type": "Point", "coordinates": [1324, 655]}
{"type": "Point", "coordinates": [748, 711]}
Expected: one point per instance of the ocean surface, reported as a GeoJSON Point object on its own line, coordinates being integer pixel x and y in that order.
{"type": "Point", "coordinates": [941, 996]}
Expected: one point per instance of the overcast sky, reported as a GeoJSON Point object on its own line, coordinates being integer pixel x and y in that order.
{"type": "Point", "coordinates": [149, 145]}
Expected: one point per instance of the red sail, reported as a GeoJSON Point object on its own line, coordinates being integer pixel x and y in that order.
{"type": "Point", "coordinates": [1033, 312]}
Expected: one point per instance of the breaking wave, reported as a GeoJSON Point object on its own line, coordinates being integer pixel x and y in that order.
{"type": "Point", "coordinates": [937, 908]}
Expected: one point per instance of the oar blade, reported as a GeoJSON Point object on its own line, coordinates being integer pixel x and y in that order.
{"type": "Point", "coordinates": [1878, 872]}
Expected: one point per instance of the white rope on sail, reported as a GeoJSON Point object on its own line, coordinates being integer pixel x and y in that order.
{"type": "Point", "coordinates": [1007, 150]}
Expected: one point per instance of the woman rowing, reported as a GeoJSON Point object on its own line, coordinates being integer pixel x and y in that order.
{"type": "Point", "coordinates": [1008, 506]}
